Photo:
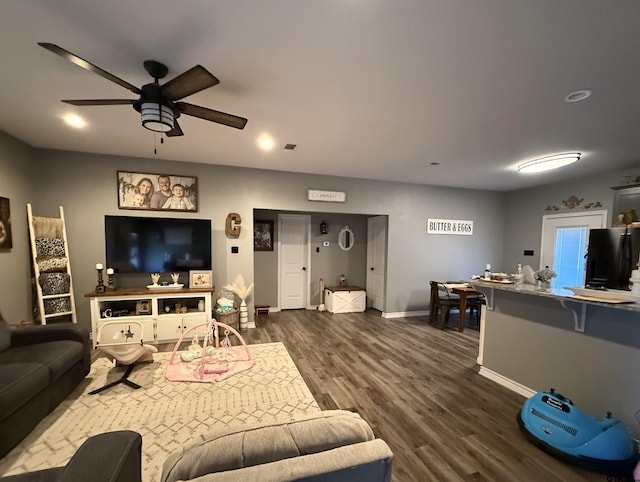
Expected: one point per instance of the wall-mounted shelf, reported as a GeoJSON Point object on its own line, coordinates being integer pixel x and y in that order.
{"type": "Point", "coordinates": [626, 197]}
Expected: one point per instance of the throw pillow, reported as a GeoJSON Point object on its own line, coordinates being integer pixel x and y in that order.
{"type": "Point", "coordinates": [55, 283]}
{"type": "Point", "coordinates": [49, 247]}
{"type": "Point", "coordinates": [52, 264]}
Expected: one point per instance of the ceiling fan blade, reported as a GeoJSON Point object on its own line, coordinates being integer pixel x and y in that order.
{"type": "Point", "coordinates": [80, 62]}
{"type": "Point", "coordinates": [193, 80]}
{"type": "Point", "coordinates": [211, 115]}
{"type": "Point", "coordinates": [176, 131]}
{"type": "Point", "coordinates": [81, 102]}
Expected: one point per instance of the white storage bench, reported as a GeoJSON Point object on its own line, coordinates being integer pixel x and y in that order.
{"type": "Point", "coordinates": [345, 299]}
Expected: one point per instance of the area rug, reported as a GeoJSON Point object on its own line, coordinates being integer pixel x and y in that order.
{"type": "Point", "coordinates": [166, 414]}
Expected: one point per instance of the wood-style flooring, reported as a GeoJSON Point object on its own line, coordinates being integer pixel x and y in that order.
{"type": "Point", "coordinates": [418, 388]}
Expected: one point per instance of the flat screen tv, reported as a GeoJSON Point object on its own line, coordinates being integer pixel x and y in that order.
{"type": "Point", "coordinates": [157, 245]}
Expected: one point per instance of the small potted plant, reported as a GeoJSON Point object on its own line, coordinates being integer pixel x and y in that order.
{"type": "Point", "coordinates": [544, 277]}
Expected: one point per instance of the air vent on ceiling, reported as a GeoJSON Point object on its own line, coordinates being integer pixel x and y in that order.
{"type": "Point", "coordinates": [289, 147]}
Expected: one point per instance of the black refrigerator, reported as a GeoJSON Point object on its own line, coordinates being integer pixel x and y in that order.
{"type": "Point", "coordinates": [611, 256]}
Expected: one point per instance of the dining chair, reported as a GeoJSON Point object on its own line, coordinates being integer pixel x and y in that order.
{"type": "Point", "coordinates": [442, 300]}
{"type": "Point", "coordinates": [474, 303]}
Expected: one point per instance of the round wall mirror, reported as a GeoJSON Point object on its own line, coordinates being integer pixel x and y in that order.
{"type": "Point", "coordinates": [346, 238]}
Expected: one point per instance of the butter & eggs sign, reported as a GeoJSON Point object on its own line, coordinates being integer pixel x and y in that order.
{"type": "Point", "coordinates": [461, 227]}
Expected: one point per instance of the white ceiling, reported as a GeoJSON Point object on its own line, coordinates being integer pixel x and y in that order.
{"type": "Point", "coordinates": [375, 89]}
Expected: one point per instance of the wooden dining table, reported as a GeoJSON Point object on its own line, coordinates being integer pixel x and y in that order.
{"type": "Point", "coordinates": [463, 290]}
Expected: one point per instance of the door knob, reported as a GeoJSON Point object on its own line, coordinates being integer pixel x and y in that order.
{"type": "Point", "coordinates": [304, 268]}
{"type": "Point", "coordinates": [372, 268]}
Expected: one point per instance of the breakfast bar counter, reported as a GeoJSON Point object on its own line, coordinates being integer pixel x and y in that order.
{"type": "Point", "coordinates": [535, 339]}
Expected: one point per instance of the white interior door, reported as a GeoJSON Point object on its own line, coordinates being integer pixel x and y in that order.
{"type": "Point", "coordinates": [376, 261]}
{"type": "Point", "coordinates": [564, 244]}
{"type": "Point", "coordinates": [294, 255]}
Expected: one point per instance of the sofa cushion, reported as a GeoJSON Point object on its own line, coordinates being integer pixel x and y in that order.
{"type": "Point", "coordinates": [236, 447]}
{"type": "Point", "coordinates": [5, 335]}
{"type": "Point", "coordinates": [19, 383]}
{"type": "Point", "coordinates": [56, 356]}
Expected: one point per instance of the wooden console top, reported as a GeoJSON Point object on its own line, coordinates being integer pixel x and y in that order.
{"type": "Point", "coordinates": [147, 291]}
{"type": "Point", "coordinates": [344, 288]}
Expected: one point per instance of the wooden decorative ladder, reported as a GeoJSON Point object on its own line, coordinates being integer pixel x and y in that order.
{"type": "Point", "coordinates": [58, 306]}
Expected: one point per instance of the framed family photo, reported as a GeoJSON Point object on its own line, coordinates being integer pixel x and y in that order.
{"type": "Point", "coordinates": [262, 235]}
{"type": "Point", "coordinates": [201, 279]}
{"type": "Point", "coordinates": [157, 192]}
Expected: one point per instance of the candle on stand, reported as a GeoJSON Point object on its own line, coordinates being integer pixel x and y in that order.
{"type": "Point", "coordinates": [100, 288]}
{"type": "Point", "coordinates": [110, 272]}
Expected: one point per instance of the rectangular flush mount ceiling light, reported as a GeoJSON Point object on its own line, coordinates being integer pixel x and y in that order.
{"type": "Point", "coordinates": [549, 162]}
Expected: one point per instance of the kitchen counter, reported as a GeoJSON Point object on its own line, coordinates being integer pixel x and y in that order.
{"type": "Point", "coordinates": [535, 339]}
{"type": "Point", "coordinates": [553, 293]}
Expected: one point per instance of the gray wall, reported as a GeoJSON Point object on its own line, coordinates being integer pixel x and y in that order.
{"type": "Point", "coordinates": [525, 208]}
{"type": "Point", "coordinates": [85, 184]}
{"type": "Point", "coordinates": [15, 184]}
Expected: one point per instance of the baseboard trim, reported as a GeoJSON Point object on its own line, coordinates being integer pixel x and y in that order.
{"type": "Point", "coordinates": [405, 314]}
{"type": "Point", "coordinates": [506, 382]}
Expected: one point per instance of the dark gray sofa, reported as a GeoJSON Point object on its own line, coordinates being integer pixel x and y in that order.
{"type": "Point", "coordinates": [107, 457]}
{"type": "Point", "coordinates": [39, 367]}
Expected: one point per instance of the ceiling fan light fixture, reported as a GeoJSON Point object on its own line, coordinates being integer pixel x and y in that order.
{"type": "Point", "coordinates": [550, 162]}
{"type": "Point", "coordinates": [156, 117]}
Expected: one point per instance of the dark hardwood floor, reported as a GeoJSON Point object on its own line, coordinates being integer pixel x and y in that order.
{"type": "Point", "coordinates": [418, 388]}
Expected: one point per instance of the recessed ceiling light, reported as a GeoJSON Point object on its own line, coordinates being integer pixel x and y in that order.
{"type": "Point", "coordinates": [578, 95]}
{"type": "Point", "coordinates": [74, 121]}
{"type": "Point", "coordinates": [265, 142]}
{"type": "Point", "coordinates": [549, 162]}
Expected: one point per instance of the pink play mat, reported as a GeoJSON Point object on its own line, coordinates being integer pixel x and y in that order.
{"type": "Point", "coordinates": [216, 361]}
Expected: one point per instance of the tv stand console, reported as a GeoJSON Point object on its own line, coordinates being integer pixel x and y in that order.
{"type": "Point", "coordinates": [165, 313]}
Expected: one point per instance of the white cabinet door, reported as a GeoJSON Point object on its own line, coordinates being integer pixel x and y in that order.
{"type": "Point", "coordinates": [149, 332]}
{"type": "Point", "coordinates": [195, 319]}
{"type": "Point", "coordinates": [168, 327]}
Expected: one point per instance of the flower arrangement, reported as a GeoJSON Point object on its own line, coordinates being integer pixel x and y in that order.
{"type": "Point", "coordinates": [238, 287]}
{"type": "Point", "coordinates": [545, 275]}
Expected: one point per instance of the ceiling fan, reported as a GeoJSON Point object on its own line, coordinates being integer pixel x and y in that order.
{"type": "Point", "coordinates": [158, 104]}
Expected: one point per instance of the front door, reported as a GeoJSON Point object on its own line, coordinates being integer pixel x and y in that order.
{"type": "Point", "coordinates": [564, 244]}
{"type": "Point", "coordinates": [294, 248]}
